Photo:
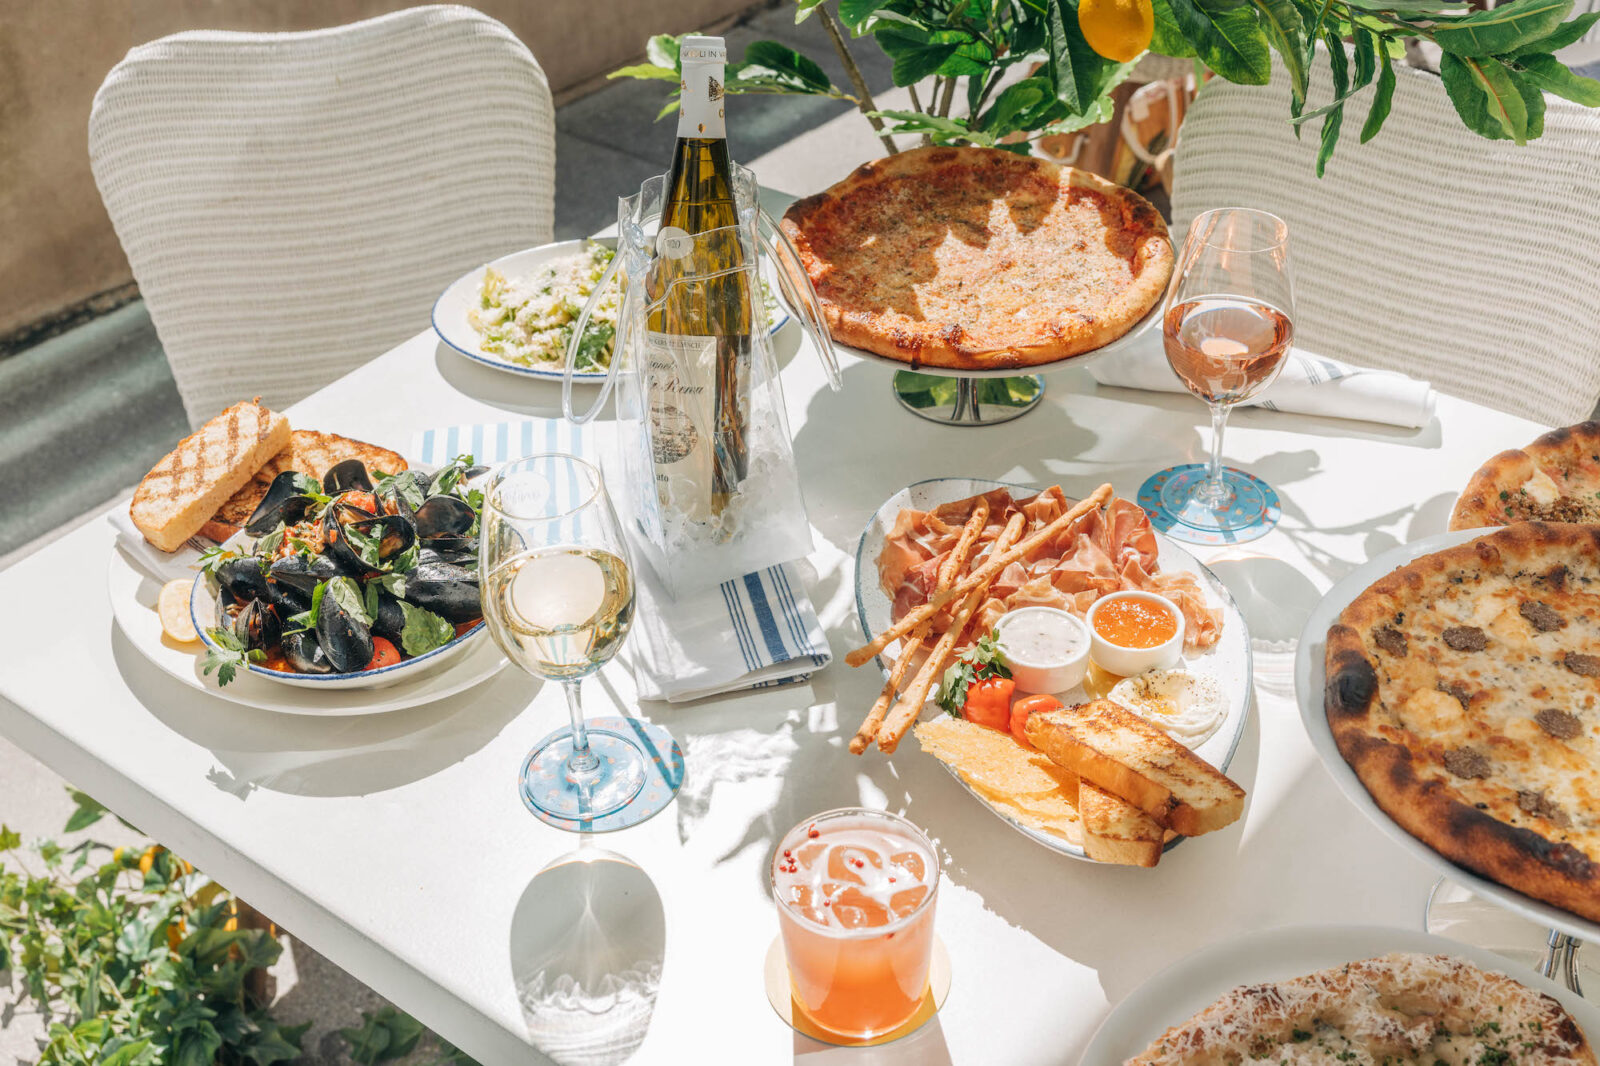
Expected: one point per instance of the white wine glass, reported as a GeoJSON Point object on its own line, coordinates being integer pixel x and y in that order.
{"type": "Point", "coordinates": [558, 595]}
{"type": "Point", "coordinates": [1227, 327]}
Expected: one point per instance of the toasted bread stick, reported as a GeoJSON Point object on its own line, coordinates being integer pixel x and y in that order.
{"type": "Point", "coordinates": [952, 566]}
{"type": "Point", "coordinates": [909, 709]}
{"type": "Point", "coordinates": [981, 577]}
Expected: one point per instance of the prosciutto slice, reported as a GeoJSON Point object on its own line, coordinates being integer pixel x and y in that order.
{"type": "Point", "coordinates": [1109, 550]}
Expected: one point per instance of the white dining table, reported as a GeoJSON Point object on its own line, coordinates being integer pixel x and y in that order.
{"type": "Point", "coordinates": [396, 844]}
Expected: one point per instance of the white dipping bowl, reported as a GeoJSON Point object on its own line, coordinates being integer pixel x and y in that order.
{"type": "Point", "coordinates": [1050, 674]}
{"type": "Point", "coordinates": [1125, 662]}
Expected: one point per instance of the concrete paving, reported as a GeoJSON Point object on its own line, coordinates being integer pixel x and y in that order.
{"type": "Point", "coordinates": [85, 414]}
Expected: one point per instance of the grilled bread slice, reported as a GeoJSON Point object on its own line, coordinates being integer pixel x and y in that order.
{"type": "Point", "coordinates": [313, 453]}
{"type": "Point", "coordinates": [205, 469]}
{"type": "Point", "coordinates": [1114, 830]}
{"type": "Point", "coordinates": [309, 452]}
{"type": "Point", "coordinates": [1130, 757]}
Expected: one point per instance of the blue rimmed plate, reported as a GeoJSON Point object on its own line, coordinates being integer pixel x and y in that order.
{"type": "Point", "coordinates": [1229, 661]}
{"type": "Point", "coordinates": [450, 311]}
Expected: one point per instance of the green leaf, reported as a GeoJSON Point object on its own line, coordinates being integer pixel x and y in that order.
{"type": "Point", "coordinates": [1286, 32]}
{"type": "Point", "coordinates": [9, 839]}
{"type": "Point", "coordinates": [662, 51]}
{"type": "Point", "coordinates": [857, 14]}
{"type": "Point", "coordinates": [1017, 99]}
{"type": "Point", "coordinates": [803, 9]}
{"type": "Point", "coordinates": [1168, 39]}
{"type": "Point", "coordinates": [347, 594]}
{"type": "Point", "coordinates": [770, 64]}
{"type": "Point", "coordinates": [1502, 29]}
{"type": "Point", "coordinates": [88, 812]}
{"type": "Point", "coordinates": [125, 1055]}
{"type": "Point", "coordinates": [1567, 33]}
{"type": "Point", "coordinates": [953, 129]}
{"type": "Point", "coordinates": [384, 1035]}
{"type": "Point", "coordinates": [645, 70]}
{"type": "Point", "coordinates": [1485, 97]}
{"type": "Point", "coordinates": [1339, 68]}
{"type": "Point", "coordinates": [1366, 43]}
{"type": "Point", "coordinates": [1382, 100]}
{"type": "Point", "coordinates": [1547, 73]}
{"type": "Point", "coordinates": [424, 631]}
{"type": "Point", "coordinates": [1232, 43]}
{"type": "Point", "coordinates": [915, 55]}
{"type": "Point", "coordinates": [595, 347]}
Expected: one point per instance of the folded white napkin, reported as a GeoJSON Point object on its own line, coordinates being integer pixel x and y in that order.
{"type": "Point", "coordinates": [755, 632]}
{"type": "Point", "coordinates": [163, 566]}
{"type": "Point", "coordinates": [1309, 385]}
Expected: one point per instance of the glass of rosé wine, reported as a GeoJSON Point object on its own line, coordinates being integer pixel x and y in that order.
{"type": "Point", "coordinates": [1227, 327]}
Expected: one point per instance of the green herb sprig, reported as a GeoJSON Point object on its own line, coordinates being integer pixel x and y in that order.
{"type": "Point", "coordinates": [977, 663]}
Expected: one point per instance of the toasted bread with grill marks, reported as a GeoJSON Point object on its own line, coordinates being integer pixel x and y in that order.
{"type": "Point", "coordinates": [204, 470]}
{"type": "Point", "coordinates": [1130, 757]}
{"type": "Point", "coordinates": [1114, 830]}
{"type": "Point", "coordinates": [309, 452]}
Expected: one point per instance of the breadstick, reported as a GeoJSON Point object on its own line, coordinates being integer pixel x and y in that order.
{"type": "Point", "coordinates": [909, 709]}
{"type": "Point", "coordinates": [986, 573]}
{"type": "Point", "coordinates": [953, 564]}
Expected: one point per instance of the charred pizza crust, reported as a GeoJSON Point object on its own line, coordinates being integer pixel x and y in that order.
{"type": "Point", "coordinates": [1464, 691]}
{"type": "Point", "coordinates": [979, 259]}
{"type": "Point", "coordinates": [1554, 479]}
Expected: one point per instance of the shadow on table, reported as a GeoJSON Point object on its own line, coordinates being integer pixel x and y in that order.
{"type": "Point", "coordinates": [352, 755]}
{"type": "Point", "coordinates": [587, 943]}
{"type": "Point", "coordinates": [925, 1047]}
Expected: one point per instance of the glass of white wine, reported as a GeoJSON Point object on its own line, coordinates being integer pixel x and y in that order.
{"type": "Point", "coordinates": [558, 595]}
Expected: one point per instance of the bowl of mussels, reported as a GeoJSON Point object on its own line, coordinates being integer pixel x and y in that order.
{"type": "Point", "coordinates": [361, 580]}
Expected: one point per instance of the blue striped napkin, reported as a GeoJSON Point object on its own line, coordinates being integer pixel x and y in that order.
{"type": "Point", "coordinates": [679, 649]}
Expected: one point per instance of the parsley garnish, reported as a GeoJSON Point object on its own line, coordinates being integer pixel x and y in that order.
{"type": "Point", "coordinates": [227, 654]}
{"type": "Point", "coordinates": [977, 663]}
{"type": "Point", "coordinates": [214, 557]}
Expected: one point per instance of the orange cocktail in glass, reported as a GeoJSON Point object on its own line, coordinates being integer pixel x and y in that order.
{"type": "Point", "coordinates": [855, 891]}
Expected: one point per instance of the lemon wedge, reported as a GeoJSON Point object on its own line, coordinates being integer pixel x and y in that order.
{"type": "Point", "coordinates": [173, 607]}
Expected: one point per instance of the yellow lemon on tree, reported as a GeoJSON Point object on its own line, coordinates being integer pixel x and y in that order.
{"type": "Point", "coordinates": [1117, 29]}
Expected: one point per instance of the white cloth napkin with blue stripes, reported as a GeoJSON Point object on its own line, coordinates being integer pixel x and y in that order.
{"type": "Point", "coordinates": [756, 632]}
{"type": "Point", "coordinates": [1308, 385]}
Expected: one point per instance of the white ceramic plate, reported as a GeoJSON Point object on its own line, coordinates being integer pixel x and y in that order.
{"type": "Point", "coordinates": [133, 602]}
{"type": "Point", "coordinates": [1229, 661]}
{"type": "Point", "coordinates": [1182, 990]}
{"type": "Point", "coordinates": [450, 311]}
{"type": "Point", "coordinates": [1083, 359]}
{"type": "Point", "coordinates": [1309, 676]}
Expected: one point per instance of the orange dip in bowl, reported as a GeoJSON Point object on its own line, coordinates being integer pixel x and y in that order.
{"type": "Point", "coordinates": [1134, 623]}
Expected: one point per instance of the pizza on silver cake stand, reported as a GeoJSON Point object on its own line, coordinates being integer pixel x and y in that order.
{"type": "Point", "coordinates": [986, 397]}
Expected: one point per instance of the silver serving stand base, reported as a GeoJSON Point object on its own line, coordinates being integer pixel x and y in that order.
{"type": "Point", "coordinates": [985, 397]}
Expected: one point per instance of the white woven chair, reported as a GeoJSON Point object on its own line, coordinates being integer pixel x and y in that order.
{"type": "Point", "coordinates": [1429, 250]}
{"type": "Point", "coordinates": [293, 203]}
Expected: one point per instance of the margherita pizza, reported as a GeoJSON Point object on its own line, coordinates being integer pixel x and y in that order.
{"type": "Point", "coordinates": [1554, 479]}
{"type": "Point", "coordinates": [1464, 690]}
{"type": "Point", "coordinates": [980, 259]}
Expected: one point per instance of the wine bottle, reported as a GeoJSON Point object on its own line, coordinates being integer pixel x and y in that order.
{"type": "Point", "coordinates": [698, 341]}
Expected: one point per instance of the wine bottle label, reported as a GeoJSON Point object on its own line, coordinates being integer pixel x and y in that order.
{"type": "Point", "coordinates": [673, 242]}
{"type": "Point", "coordinates": [703, 61]}
{"type": "Point", "coordinates": [680, 370]}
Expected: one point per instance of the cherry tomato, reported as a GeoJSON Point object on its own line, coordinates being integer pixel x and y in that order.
{"type": "Point", "coordinates": [383, 654]}
{"type": "Point", "coordinates": [1026, 706]}
{"type": "Point", "coordinates": [989, 702]}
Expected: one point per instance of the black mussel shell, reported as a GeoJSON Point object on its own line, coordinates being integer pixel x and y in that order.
{"type": "Point", "coordinates": [345, 476]}
{"type": "Point", "coordinates": [227, 607]}
{"type": "Point", "coordinates": [305, 654]}
{"type": "Point", "coordinates": [446, 518]}
{"type": "Point", "coordinates": [288, 599]}
{"type": "Point", "coordinates": [466, 555]}
{"type": "Point", "coordinates": [344, 637]}
{"type": "Point", "coordinates": [284, 502]}
{"type": "Point", "coordinates": [257, 625]}
{"type": "Point", "coordinates": [304, 572]}
{"type": "Point", "coordinates": [447, 590]}
{"type": "Point", "coordinates": [242, 579]}
{"type": "Point", "coordinates": [397, 531]}
{"type": "Point", "coordinates": [390, 620]}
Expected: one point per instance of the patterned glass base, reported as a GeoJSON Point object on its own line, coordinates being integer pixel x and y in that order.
{"type": "Point", "coordinates": [1249, 510]}
{"type": "Point", "coordinates": [641, 769]}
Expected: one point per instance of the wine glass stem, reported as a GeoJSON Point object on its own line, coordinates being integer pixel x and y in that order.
{"type": "Point", "coordinates": [582, 761]}
{"type": "Point", "coordinates": [1213, 485]}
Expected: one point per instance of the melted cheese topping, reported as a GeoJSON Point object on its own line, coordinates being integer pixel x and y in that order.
{"type": "Point", "coordinates": [1398, 1009]}
{"type": "Point", "coordinates": [1541, 488]}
